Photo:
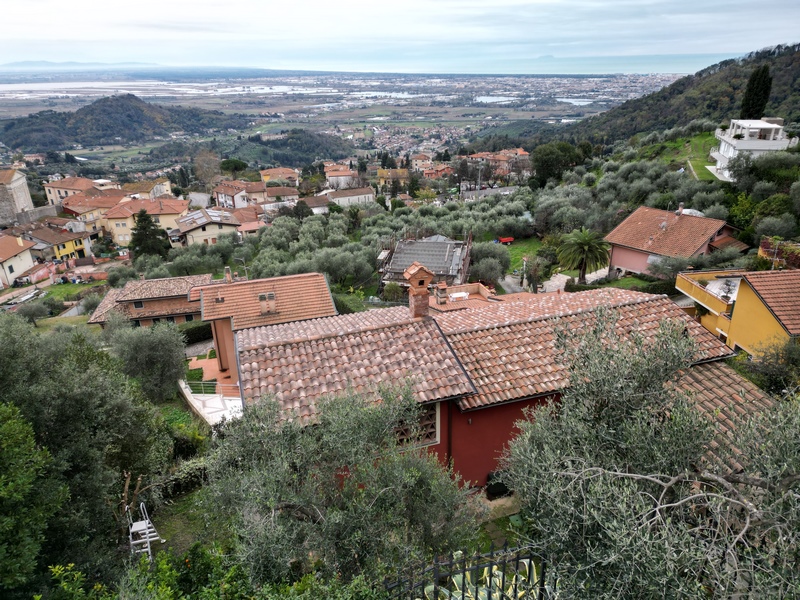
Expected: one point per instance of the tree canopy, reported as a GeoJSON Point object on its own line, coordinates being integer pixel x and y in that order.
{"type": "Point", "coordinates": [147, 237]}
{"type": "Point", "coordinates": [619, 490]}
{"type": "Point", "coordinates": [584, 250]}
{"type": "Point", "coordinates": [342, 495]}
{"type": "Point", "coordinates": [756, 94]}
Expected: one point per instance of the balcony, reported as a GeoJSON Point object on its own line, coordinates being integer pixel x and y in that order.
{"type": "Point", "coordinates": [753, 143]}
{"type": "Point", "coordinates": [715, 290]}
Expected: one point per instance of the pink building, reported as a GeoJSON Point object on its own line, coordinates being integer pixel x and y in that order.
{"type": "Point", "coordinates": [650, 234]}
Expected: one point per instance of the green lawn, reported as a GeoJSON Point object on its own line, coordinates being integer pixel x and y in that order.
{"type": "Point", "coordinates": [626, 283]}
{"type": "Point", "coordinates": [48, 325]}
{"type": "Point", "coordinates": [64, 290]}
{"type": "Point", "coordinates": [520, 248]}
{"type": "Point", "coordinates": [699, 166]}
{"type": "Point", "coordinates": [182, 522]}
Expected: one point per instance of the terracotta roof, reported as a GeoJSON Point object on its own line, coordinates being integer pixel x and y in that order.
{"type": "Point", "coordinates": [780, 292]}
{"type": "Point", "coordinates": [143, 186]}
{"type": "Point", "coordinates": [6, 176]}
{"type": "Point", "coordinates": [54, 236]}
{"type": "Point", "coordinates": [725, 396]}
{"type": "Point", "coordinates": [348, 355]}
{"type": "Point", "coordinates": [71, 183]}
{"type": "Point", "coordinates": [107, 304]}
{"type": "Point", "coordinates": [297, 298]}
{"type": "Point", "coordinates": [727, 241]}
{"type": "Point", "coordinates": [156, 206]}
{"type": "Point", "coordinates": [247, 214]}
{"type": "Point", "coordinates": [274, 192]}
{"type": "Point", "coordinates": [167, 287]}
{"type": "Point", "coordinates": [681, 236]}
{"type": "Point", "coordinates": [508, 348]}
{"type": "Point", "coordinates": [10, 246]}
{"type": "Point", "coordinates": [364, 191]}
{"type": "Point", "coordinates": [280, 173]}
{"type": "Point", "coordinates": [315, 201]}
{"type": "Point", "coordinates": [83, 202]}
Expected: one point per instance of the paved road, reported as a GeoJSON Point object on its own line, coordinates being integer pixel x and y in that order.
{"type": "Point", "coordinates": [557, 282]}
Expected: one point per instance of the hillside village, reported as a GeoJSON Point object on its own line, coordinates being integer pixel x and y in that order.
{"type": "Point", "coordinates": [345, 376]}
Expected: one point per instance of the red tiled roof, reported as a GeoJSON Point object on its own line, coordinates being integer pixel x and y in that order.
{"type": "Point", "coordinates": [153, 207]}
{"type": "Point", "coordinates": [107, 304]}
{"type": "Point", "coordinates": [664, 233]}
{"type": "Point", "coordinates": [10, 246]}
{"type": "Point", "coordinates": [167, 287]}
{"type": "Point", "coordinates": [348, 193]}
{"type": "Point", "coordinates": [315, 201]}
{"type": "Point", "coordinates": [6, 176]}
{"type": "Point", "coordinates": [333, 355]}
{"type": "Point", "coordinates": [508, 348]}
{"type": "Point", "coordinates": [71, 183]}
{"type": "Point", "coordinates": [723, 395]}
{"type": "Point", "coordinates": [780, 292]}
{"type": "Point", "coordinates": [297, 298]}
{"type": "Point", "coordinates": [274, 192]}
{"type": "Point", "coordinates": [727, 241]}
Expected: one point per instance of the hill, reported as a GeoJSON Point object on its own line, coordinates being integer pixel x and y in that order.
{"type": "Point", "coordinates": [714, 94]}
{"type": "Point", "coordinates": [296, 148]}
{"type": "Point", "coordinates": [113, 120]}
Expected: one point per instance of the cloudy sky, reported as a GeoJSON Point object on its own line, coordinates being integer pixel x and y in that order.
{"type": "Point", "coordinates": [433, 36]}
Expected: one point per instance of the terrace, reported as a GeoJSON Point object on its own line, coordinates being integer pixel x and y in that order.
{"type": "Point", "coordinates": [715, 292]}
{"type": "Point", "coordinates": [215, 397]}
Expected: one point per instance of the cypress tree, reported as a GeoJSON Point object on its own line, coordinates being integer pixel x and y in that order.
{"type": "Point", "coordinates": [756, 95]}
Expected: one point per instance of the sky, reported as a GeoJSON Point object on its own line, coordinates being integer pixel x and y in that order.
{"type": "Point", "coordinates": [409, 36]}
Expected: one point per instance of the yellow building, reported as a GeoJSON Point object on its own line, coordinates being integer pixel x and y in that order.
{"type": "Point", "coordinates": [748, 310]}
{"type": "Point", "coordinates": [119, 221]}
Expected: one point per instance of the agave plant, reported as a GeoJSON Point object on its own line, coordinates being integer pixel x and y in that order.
{"type": "Point", "coordinates": [486, 584]}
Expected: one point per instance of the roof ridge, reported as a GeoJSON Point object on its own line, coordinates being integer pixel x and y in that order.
{"type": "Point", "coordinates": [548, 316]}
{"type": "Point", "coordinates": [329, 334]}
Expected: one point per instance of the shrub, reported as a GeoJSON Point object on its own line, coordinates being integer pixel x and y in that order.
{"type": "Point", "coordinates": [346, 304]}
{"type": "Point", "coordinates": [196, 332]}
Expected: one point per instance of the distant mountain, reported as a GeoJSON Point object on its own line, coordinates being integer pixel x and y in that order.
{"type": "Point", "coordinates": [715, 93]}
{"type": "Point", "coordinates": [112, 120]}
{"type": "Point", "coordinates": [46, 64]}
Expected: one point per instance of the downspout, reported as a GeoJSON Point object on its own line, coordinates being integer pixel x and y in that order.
{"type": "Point", "coordinates": [238, 367]}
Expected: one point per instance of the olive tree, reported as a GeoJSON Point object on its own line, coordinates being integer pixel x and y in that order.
{"type": "Point", "coordinates": [152, 355]}
{"type": "Point", "coordinates": [342, 495]}
{"type": "Point", "coordinates": [618, 490]}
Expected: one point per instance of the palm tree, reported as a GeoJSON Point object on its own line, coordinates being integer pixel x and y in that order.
{"type": "Point", "coordinates": [584, 250]}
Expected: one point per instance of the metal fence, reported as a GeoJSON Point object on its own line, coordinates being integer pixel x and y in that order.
{"type": "Point", "coordinates": [500, 574]}
{"type": "Point", "coordinates": [214, 388]}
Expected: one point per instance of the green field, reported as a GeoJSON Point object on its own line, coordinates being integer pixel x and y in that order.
{"type": "Point", "coordinates": [47, 325]}
{"type": "Point", "coordinates": [627, 283]}
{"type": "Point", "coordinates": [520, 248]}
{"type": "Point", "coordinates": [62, 291]}
{"type": "Point", "coordinates": [684, 150]}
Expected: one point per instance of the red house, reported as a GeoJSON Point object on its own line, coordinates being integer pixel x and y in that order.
{"type": "Point", "coordinates": [650, 234]}
{"type": "Point", "coordinates": [475, 368]}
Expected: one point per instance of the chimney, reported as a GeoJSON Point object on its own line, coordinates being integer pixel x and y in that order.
{"type": "Point", "coordinates": [679, 212]}
{"type": "Point", "coordinates": [19, 241]}
{"type": "Point", "coordinates": [419, 278]}
{"type": "Point", "coordinates": [441, 292]}
{"type": "Point", "coordinates": [228, 276]}
{"type": "Point", "coordinates": [268, 303]}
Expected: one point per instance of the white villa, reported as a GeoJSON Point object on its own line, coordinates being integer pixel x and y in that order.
{"type": "Point", "coordinates": [755, 137]}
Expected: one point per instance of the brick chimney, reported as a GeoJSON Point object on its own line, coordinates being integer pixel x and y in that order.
{"type": "Point", "coordinates": [228, 276]}
{"type": "Point", "coordinates": [268, 303]}
{"type": "Point", "coordinates": [441, 292]}
{"type": "Point", "coordinates": [419, 278]}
